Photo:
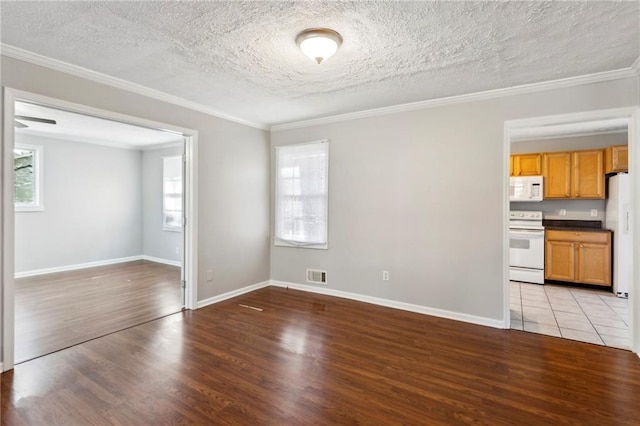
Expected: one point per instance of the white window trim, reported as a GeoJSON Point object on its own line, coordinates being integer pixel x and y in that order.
{"type": "Point", "coordinates": [38, 202]}
{"type": "Point", "coordinates": [165, 227]}
{"type": "Point", "coordinates": [287, 243]}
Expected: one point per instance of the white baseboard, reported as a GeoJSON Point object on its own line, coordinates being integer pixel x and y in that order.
{"type": "Point", "coordinates": [490, 322]}
{"type": "Point", "coordinates": [160, 260]}
{"type": "Point", "coordinates": [76, 266]}
{"type": "Point", "coordinates": [234, 293]}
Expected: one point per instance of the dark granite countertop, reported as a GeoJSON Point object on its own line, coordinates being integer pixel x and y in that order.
{"type": "Point", "coordinates": [574, 225]}
{"type": "Point", "coordinates": [575, 229]}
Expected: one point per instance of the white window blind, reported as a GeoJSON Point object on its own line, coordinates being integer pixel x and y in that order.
{"type": "Point", "coordinates": [172, 193]}
{"type": "Point", "coordinates": [302, 183]}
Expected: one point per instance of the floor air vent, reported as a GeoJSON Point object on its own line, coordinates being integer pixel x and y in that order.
{"type": "Point", "coordinates": [316, 276]}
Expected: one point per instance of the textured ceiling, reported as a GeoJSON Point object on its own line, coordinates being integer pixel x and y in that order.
{"type": "Point", "coordinates": [241, 59]}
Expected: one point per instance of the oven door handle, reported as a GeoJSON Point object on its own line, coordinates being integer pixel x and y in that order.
{"type": "Point", "coordinates": [525, 233]}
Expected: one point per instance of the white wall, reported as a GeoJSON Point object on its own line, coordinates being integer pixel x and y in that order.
{"type": "Point", "coordinates": [156, 242]}
{"type": "Point", "coordinates": [92, 206]}
{"type": "Point", "coordinates": [420, 194]}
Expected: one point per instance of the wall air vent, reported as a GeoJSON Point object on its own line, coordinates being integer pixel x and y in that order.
{"type": "Point", "coordinates": [317, 276]}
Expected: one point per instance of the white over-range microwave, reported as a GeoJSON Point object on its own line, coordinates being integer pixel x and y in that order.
{"type": "Point", "coordinates": [526, 188]}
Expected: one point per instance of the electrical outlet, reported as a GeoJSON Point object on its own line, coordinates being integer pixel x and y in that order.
{"type": "Point", "coordinates": [177, 250]}
{"type": "Point", "coordinates": [562, 212]}
{"type": "Point", "coordinates": [594, 212]}
{"type": "Point", "coordinates": [385, 275]}
{"type": "Point", "coordinates": [209, 275]}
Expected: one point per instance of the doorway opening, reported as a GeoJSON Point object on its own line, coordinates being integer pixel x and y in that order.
{"type": "Point", "coordinates": [103, 243]}
{"type": "Point", "coordinates": [585, 253]}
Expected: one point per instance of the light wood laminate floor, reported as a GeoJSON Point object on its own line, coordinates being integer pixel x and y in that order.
{"type": "Point", "coordinates": [309, 359]}
{"type": "Point", "coordinates": [55, 311]}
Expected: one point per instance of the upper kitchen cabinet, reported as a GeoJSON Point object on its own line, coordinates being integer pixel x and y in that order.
{"type": "Point", "coordinates": [556, 169]}
{"type": "Point", "coordinates": [616, 159]}
{"type": "Point", "coordinates": [574, 175]}
{"type": "Point", "coordinates": [526, 165]}
{"type": "Point", "coordinates": [588, 178]}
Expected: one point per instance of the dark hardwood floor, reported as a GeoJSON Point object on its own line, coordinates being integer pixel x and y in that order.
{"type": "Point", "coordinates": [55, 311]}
{"type": "Point", "coordinates": [309, 359]}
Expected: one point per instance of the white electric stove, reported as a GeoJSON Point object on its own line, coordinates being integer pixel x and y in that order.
{"type": "Point", "coordinates": [526, 247]}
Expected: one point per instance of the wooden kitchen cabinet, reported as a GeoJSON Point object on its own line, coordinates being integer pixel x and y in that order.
{"type": "Point", "coordinates": [577, 256]}
{"type": "Point", "coordinates": [616, 159]}
{"type": "Point", "coordinates": [556, 169]}
{"type": "Point", "coordinates": [588, 179]}
{"type": "Point", "coordinates": [594, 264]}
{"type": "Point", "coordinates": [526, 165]}
{"type": "Point", "coordinates": [560, 260]}
{"type": "Point", "coordinates": [574, 175]}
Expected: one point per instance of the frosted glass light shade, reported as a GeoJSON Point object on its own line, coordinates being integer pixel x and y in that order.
{"type": "Point", "coordinates": [319, 44]}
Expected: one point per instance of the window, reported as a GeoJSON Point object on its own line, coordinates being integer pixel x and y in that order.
{"type": "Point", "coordinates": [27, 166]}
{"type": "Point", "coordinates": [172, 193]}
{"type": "Point", "coordinates": [302, 186]}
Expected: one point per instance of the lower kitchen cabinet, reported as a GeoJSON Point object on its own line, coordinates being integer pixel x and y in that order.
{"type": "Point", "coordinates": [594, 264]}
{"type": "Point", "coordinates": [578, 256]}
{"type": "Point", "coordinates": [560, 260]}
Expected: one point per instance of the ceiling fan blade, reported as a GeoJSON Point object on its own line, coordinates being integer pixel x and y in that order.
{"type": "Point", "coordinates": [36, 119]}
{"type": "Point", "coordinates": [19, 125]}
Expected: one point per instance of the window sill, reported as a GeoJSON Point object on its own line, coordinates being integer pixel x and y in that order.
{"type": "Point", "coordinates": [29, 208]}
{"type": "Point", "coordinates": [284, 243]}
{"type": "Point", "coordinates": [172, 228]}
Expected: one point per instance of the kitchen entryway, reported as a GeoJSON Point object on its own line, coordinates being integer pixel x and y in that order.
{"type": "Point", "coordinates": [585, 315]}
{"type": "Point", "coordinates": [587, 221]}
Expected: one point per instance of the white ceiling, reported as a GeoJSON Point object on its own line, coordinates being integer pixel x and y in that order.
{"type": "Point", "coordinates": [240, 58]}
{"type": "Point", "coordinates": [87, 129]}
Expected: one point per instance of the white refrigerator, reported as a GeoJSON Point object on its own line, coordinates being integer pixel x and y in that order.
{"type": "Point", "coordinates": [617, 219]}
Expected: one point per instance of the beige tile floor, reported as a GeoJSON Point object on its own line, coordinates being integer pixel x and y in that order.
{"type": "Point", "coordinates": [592, 316]}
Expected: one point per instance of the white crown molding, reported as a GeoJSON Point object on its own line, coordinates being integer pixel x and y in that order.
{"type": "Point", "coordinates": [471, 97]}
{"type": "Point", "coordinates": [57, 65]}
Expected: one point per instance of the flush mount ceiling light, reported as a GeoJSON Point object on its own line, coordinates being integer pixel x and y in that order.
{"type": "Point", "coordinates": [319, 43]}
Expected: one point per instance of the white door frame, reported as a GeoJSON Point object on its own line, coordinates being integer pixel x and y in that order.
{"type": "Point", "coordinates": [632, 116]}
{"type": "Point", "coordinates": [7, 291]}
